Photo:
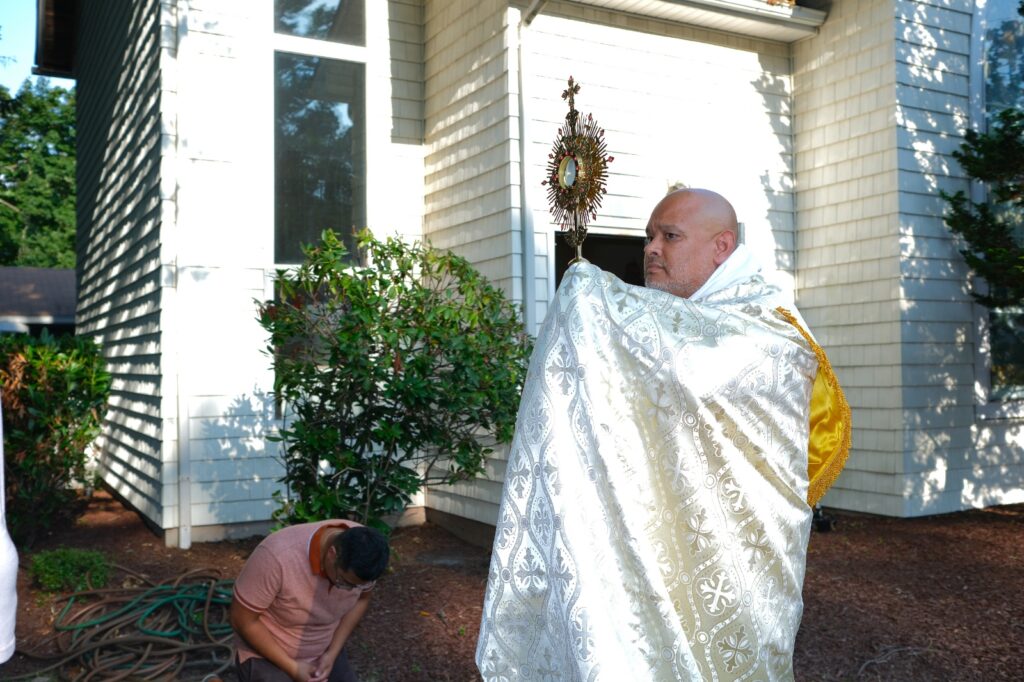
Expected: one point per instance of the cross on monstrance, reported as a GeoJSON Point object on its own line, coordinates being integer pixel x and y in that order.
{"type": "Point", "coordinates": [577, 171]}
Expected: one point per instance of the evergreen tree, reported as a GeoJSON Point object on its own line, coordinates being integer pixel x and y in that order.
{"type": "Point", "coordinates": [37, 176]}
{"type": "Point", "coordinates": [994, 230]}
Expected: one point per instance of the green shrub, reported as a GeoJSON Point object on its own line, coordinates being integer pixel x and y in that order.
{"type": "Point", "coordinates": [391, 373]}
{"type": "Point", "coordinates": [54, 393]}
{"type": "Point", "coordinates": [69, 570]}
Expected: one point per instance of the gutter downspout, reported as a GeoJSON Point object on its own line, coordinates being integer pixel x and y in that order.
{"type": "Point", "coordinates": [184, 445]}
{"type": "Point", "coordinates": [525, 212]}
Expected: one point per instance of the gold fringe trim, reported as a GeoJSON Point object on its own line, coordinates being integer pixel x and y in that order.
{"type": "Point", "coordinates": [833, 465]}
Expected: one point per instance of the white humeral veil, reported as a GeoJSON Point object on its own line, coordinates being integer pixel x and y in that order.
{"type": "Point", "coordinates": [653, 523]}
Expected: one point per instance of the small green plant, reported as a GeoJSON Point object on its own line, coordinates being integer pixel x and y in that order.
{"type": "Point", "coordinates": [393, 373]}
{"type": "Point", "coordinates": [69, 570]}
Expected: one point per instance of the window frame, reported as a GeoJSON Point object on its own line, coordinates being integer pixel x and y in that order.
{"type": "Point", "coordinates": [325, 49]}
{"type": "Point", "coordinates": [987, 408]}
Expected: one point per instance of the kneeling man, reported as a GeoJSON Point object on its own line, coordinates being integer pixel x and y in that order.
{"type": "Point", "coordinates": [298, 598]}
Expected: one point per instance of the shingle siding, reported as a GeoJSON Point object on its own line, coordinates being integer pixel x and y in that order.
{"type": "Point", "coordinates": [471, 183]}
{"type": "Point", "coordinates": [848, 241]}
{"type": "Point", "coordinates": [470, 175]}
{"type": "Point", "coordinates": [406, 39]}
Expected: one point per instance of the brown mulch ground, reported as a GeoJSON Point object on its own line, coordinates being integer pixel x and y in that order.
{"type": "Point", "coordinates": [937, 598]}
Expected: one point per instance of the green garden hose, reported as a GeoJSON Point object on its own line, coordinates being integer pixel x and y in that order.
{"type": "Point", "coordinates": [149, 632]}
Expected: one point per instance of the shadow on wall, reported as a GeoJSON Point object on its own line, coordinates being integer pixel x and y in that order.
{"type": "Point", "coordinates": [778, 186]}
{"type": "Point", "coordinates": [952, 457]}
{"type": "Point", "coordinates": [234, 469]}
{"type": "Point", "coordinates": [118, 250]}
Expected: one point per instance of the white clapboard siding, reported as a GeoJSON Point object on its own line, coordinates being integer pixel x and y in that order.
{"type": "Point", "coordinates": [119, 208]}
{"type": "Point", "coordinates": [176, 212]}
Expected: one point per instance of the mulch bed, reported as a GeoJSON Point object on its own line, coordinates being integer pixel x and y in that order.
{"type": "Point", "coordinates": [936, 598]}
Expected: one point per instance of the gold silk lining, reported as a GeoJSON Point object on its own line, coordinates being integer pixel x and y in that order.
{"type": "Point", "coordinates": [830, 423]}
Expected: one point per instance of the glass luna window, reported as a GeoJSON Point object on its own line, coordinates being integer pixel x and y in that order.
{"type": "Point", "coordinates": [319, 152]}
{"type": "Point", "coordinates": [1004, 87]}
{"type": "Point", "coordinates": [338, 21]}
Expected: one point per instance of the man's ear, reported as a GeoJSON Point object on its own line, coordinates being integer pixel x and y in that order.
{"type": "Point", "coordinates": [725, 244]}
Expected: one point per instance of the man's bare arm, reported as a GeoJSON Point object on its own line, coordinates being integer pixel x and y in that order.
{"type": "Point", "coordinates": [345, 627]}
{"type": "Point", "coordinates": [246, 623]}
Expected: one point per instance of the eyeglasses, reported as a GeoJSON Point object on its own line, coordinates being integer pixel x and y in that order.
{"type": "Point", "coordinates": [343, 584]}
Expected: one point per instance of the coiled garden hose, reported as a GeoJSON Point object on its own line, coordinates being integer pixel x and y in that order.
{"type": "Point", "coordinates": [150, 632]}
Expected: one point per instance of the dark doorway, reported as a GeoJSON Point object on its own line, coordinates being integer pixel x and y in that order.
{"type": "Point", "coordinates": [621, 256]}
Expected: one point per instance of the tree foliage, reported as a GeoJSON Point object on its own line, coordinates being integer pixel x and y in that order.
{"type": "Point", "coordinates": [392, 373]}
{"type": "Point", "coordinates": [993, 230]}
{"type": "Point", "coordinates": [37, 176]}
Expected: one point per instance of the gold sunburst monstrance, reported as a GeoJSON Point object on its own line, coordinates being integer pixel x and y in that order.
{"type": "Point", "coordinates": [577, 171]}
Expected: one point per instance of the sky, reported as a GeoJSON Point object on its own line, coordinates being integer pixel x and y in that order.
{"type": "Point", "coordinates": [18, 40]}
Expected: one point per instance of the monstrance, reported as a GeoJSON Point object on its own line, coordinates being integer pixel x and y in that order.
{"type": "Point", "coordinates": [577, 172]}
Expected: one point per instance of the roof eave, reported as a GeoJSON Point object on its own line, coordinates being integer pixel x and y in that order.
{"type": "Point", "coordinates": [55, 38]}
{"type": "Point", "coordinates": [753, 18]}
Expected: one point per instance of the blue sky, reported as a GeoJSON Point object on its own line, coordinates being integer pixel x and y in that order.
{"type": "Point", "coordinates": [18, 40]}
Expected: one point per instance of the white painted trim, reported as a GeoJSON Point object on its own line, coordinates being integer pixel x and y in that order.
{"type": "Point", "coordinates": [986, 408]}
{"type": "Point", "coordinates": [377, 105]}
{"type": "Point", "coordinates": [184, 445]}
{"type": "Point", "coordinates": [1011, 410]}
{"type": "Point", "coordinates": [785, 15]}
{"type": "Point", "coordinates": [325, 48]}
{"type": "Point", "coordinates": [526, 225]}
{"type": "Point", "coordinates": [757, 18]}
{"type": "Point", "coordinates": [976, 112]}
{"type": "Point", "coordinates": [38, 319]}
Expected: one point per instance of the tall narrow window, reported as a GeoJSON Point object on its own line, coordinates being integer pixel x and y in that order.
{"type": "Point", "coordinates": [1004, 87]}
{"type": "Point", "coordinates": [319, 151]}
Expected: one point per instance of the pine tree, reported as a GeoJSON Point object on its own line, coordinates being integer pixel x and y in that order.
{"type": "Point", "coordinates": [994, 230]}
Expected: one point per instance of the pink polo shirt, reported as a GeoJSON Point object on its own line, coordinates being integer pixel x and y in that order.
{"type": "Point", "coordinates": [299, 607]}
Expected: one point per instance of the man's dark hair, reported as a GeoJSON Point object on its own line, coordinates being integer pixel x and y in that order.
{"type": "Point", "coordinates": [364, 551]}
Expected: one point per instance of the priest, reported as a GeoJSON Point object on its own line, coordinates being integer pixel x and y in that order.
{"type": "Point", "coordinates": [670, 445]}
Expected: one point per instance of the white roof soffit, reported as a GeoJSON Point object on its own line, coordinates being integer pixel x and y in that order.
{"type": "Point", "coordinates": [755, 18]}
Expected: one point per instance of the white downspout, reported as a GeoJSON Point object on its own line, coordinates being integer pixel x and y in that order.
{"type": "Point", "coordinates": [184, 441]}
{"type": "Point", "coordinates": [525, 211]}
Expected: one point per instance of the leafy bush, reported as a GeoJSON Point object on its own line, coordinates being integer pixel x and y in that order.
{"type": "Point", "coordinates": [54, 393]}
{"type": "Point", "coordinates": [388, 370]}
{"type": "Point", "coordinates": [69, 570]}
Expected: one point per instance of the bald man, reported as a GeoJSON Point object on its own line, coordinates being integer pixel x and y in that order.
{"type": "Point", "coordinates": [691, 232]}
{"type": "Point", "coordinates": [657, 502]}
